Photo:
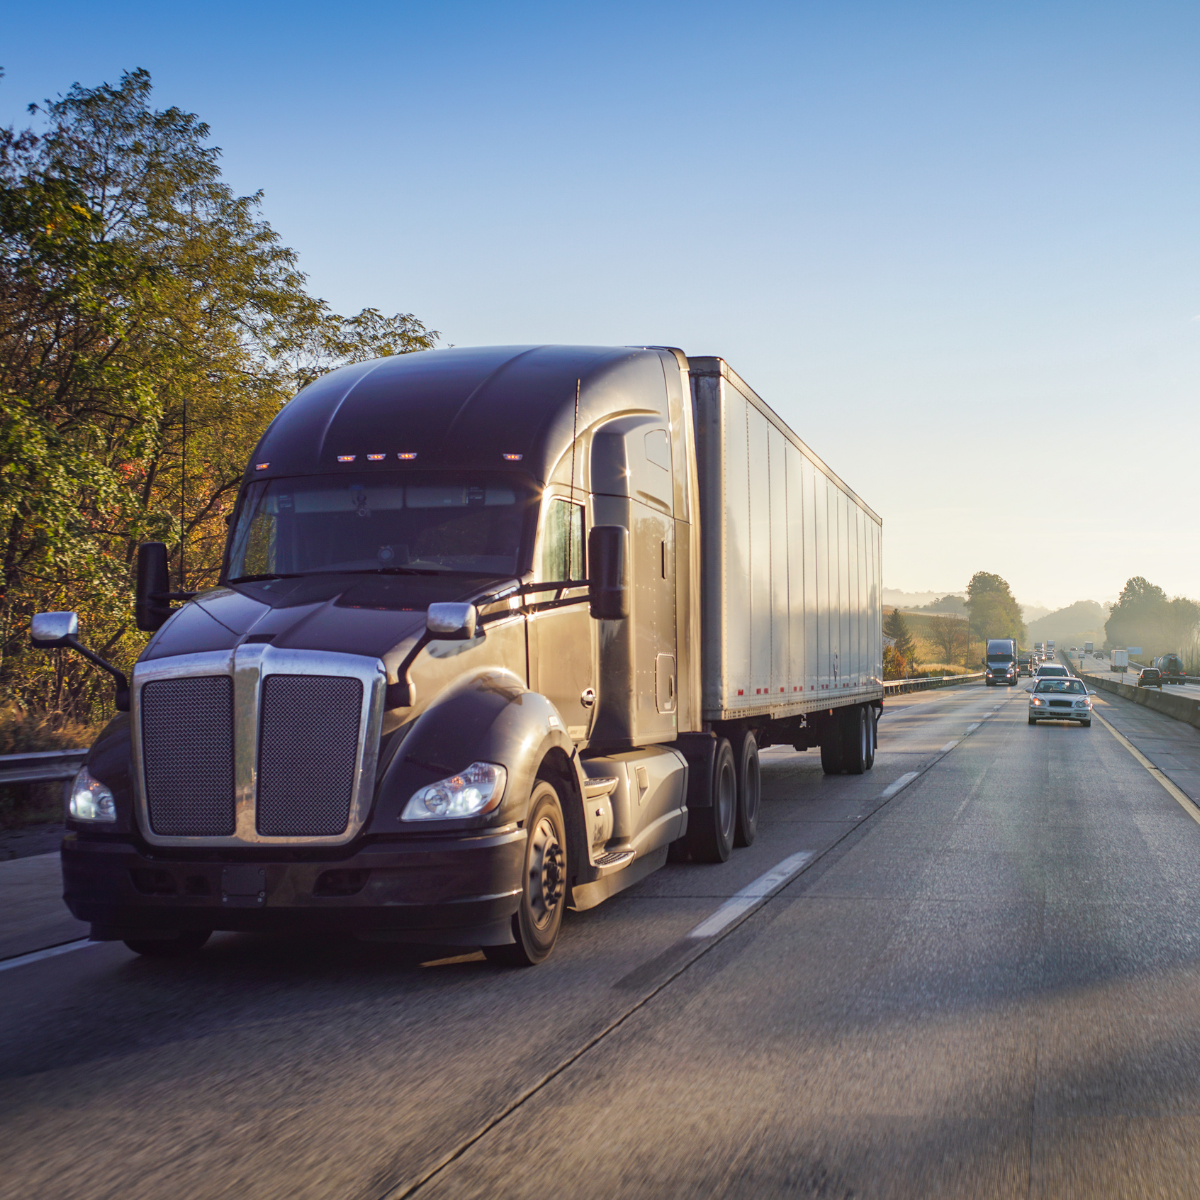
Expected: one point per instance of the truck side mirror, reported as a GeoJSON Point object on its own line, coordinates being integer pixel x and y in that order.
{"type": "Point", "coordinates": [152, 608]}
{"type": "Point", "coordinates": [51, 629]}
{"type": "Point", "coordinates": [608, 588]}
{"type": "Point", "coordinates": [451, 621]}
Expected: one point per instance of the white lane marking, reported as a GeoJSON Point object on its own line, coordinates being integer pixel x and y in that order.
{"type": "Point", "coordinates": [22, 960]}
{"type": "Point", "coordinates": [948, 747]}
{"type": "Point", "coordinates": [753, 894]}
{"type": "Point", "coordinates": [973, 726]}
{"type": "Point", "coordinates": [1176, 793]}
{"type": "Point", "coordinates": [900, 784]}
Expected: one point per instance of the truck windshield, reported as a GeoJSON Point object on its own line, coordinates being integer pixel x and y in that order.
{"type": "Point", "coordinates": [379, 522]}
{"type": "Point", "coordinates": [999, 658]}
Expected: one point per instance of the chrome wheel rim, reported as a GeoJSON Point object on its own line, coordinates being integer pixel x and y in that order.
{"type": "Point", "coordinates": [546, 874]}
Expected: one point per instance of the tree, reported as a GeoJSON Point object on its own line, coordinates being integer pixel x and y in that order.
{"type": "Point", "coordinates": [896, 627]}
{"type": "Point", "coordinates": [151, 325]}
{"type": "Point", "coordinates": [950, 635]}
{"type": "Point", "coordinates": [1144, 616]}
{"type": "Point", "coordinates": [994, 611]}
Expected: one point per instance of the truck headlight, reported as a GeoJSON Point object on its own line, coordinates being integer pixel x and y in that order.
{"type": "Point", "coordinates": [90, 799]}
{"type": "Point", "coordinates": [476, 790]}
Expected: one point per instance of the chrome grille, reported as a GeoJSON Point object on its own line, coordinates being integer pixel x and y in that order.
{"type": "Point", "coordinates": [308, 744]}
{"type": "Point", "coordinates": [187, 748]}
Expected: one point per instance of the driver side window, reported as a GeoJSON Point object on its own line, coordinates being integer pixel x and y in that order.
{"type": "Point", "coordinates": [562, 542]}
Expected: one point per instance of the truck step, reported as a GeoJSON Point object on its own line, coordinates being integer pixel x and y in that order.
{"type": "Point", "coordinates": [601, 785]}
{"type": "Point", "coordinates": [614, 860]}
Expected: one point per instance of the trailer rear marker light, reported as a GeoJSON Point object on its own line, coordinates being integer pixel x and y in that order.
{"type": "Point", "coordinates": [512, 457]}
{"type": "Point", "coordinates": [347, 457]}
{"type": "Point", "coordinates": [407, 455]}
{"type": "Point", "coordinates": [752, 895]}
{"type": "Point", "coordinates": [376, 457]}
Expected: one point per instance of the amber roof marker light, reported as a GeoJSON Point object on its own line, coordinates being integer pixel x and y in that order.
{"type": "Point", "coordinates": [346, 457]}
{"type": "Point", "coordinates": [512, 457]}
{"type": "Point", "coordinates": [406, 455]}
{"type": "Point", "coordinates": [376, 457]}
{"type": "Point", "coordinates": [261, 466]}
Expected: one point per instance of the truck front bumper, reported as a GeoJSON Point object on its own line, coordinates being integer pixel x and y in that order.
{"type": "Point", "coordinates": [448, 890]}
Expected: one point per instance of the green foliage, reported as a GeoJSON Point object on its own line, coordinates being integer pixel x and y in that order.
{"type": "Point", "coordinates": [145, 310]}
{"type": "Point", "coordinates": [1144, 616]}
{"type": "Point", "coordinates": [896, 627]}
{"type": "Point", "coordinates": [994, 611]}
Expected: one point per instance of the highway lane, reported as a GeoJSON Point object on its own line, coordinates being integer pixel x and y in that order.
{"type": "Point", "coordinates": [868, 1029]}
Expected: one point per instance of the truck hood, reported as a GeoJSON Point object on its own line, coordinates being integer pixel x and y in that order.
{"type": "Point", "coordinates": [347, 614]}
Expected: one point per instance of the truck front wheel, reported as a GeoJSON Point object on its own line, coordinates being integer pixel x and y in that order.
{"type": "Point", "coordinates": [186, 942]}
{"type": "Point", "coordinates": [537, 921]}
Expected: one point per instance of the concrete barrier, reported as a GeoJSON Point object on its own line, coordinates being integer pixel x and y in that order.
{"type": "Point", "coordinates": [1181, 708]}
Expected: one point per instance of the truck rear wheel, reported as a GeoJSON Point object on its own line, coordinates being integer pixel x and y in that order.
{"type": "Point", "coordinates": [854, 740]}
{"type": "Point", "coordinates": [710, 830]}
{"type": "Point", "coordinates": [831, 747]}
{"type": "Point", "coordinates": [872, 733]}
{"type": "Point", "coordinates": [749, 789]}
{"type": "Point", "coordinates": [537, 921]}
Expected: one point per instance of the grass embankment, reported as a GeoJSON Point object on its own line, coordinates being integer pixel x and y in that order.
{"type": "Point", "coordinates": [24, 804]}
{"type": "Point", "coordinates": [932, 658]}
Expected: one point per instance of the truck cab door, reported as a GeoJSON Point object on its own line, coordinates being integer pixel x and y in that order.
{"type": "Point", "coordinates": [561, 631]}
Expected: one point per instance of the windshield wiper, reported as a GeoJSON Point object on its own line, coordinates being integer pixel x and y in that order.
{"type": "Point", "coordinates": [260, 578]}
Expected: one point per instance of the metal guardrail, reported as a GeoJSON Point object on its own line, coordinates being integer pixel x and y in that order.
{"type": "Point", "coordinates": [41, 767]}
{"type": "Point", "coordinates": [894, 686]}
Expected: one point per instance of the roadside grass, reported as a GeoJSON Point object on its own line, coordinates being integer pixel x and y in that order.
{"type": "Point", "coordinates": [23, 804]}
{"type": "Point", "coordinates": [931, 654]}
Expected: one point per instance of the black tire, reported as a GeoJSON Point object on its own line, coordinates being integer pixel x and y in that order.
{"type": "Point", "coordinates": [854, 740]}
{"type": "Point", "coordinates": [1086, 724]}
{"type": "Point", "coordinates": [187, 941]}
{"type": "Point", "coordinates": [1033, 720]}
{"type": "Point", "coordinates": [749, 792]}
{"type": "Point", "coordinates": [710, 830]}
{"type": "Point", "coordinates": [873, 730]}
{"type": "Point", "coordinates": [538, 919]}
{"type": "Point", "coordinates": [831, 748]}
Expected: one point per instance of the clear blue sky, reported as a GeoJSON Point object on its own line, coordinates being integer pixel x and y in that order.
{"type": "Point", "coordinates": [931, 235]}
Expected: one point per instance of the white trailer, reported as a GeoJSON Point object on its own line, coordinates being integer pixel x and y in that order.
{"type": "Point", "coordinates": [791, 579]}
{"type": "Point", "coordinates": [1120, 661]}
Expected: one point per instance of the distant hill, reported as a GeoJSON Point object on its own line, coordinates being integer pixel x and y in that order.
{"type": "Point", "coordinates": [1034, 612]}
{"type": "Point", "coordinates": [894, 598]}
{"type": "Point", "coordinates": [1082, 621]}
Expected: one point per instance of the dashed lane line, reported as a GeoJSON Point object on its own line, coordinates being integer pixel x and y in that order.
{"type": "Point", "coordinates": [753, 895]}
{"type": "Point", "coordinates": [23, 960]}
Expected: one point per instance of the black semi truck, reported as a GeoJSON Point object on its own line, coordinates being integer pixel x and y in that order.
{"type": "Point", "coordinates": [497, 630]}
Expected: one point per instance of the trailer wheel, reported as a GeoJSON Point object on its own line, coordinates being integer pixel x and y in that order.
{"type": "Point", "coordinates": [749, 790]}
{"type": "Point", "coordinates": [854, 740]}
{"type": "Point", "coordinates": [831, 748]}
{"type": "Point", "coordinates": [187, 941]}
{"type": "Point", "coordinates": [710, 830]}
{"type": "Point", "coordinates": [537, 921]}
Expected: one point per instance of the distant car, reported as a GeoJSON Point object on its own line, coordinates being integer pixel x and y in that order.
{"type": "Point", "coordinates": [1150, 677]}
{"type": "Point", "coordinates": [1057, 699]}
{"type": "Point", "coordinates": [1052, 671]}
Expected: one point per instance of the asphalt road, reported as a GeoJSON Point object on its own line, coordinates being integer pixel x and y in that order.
{"type": "Point", "coordinates": [1103, 666]}
{"type": "Point", "coordinates": [985, 985]}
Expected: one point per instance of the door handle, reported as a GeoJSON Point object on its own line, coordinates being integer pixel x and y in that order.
{"type": "Point", "coordinates": [588, 698]}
